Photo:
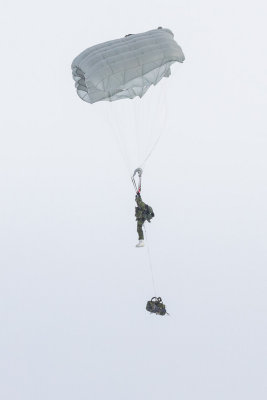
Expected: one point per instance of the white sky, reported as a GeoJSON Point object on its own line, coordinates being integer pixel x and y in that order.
{"type": "Point", "coordinates": [73, 287]}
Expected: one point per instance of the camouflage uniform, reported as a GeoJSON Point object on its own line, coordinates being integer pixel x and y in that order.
{"type": "Point", "coordinates": [140, 216]}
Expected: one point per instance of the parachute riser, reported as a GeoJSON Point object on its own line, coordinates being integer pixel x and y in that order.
{"type": "Point", "coordinates": [138, 187]}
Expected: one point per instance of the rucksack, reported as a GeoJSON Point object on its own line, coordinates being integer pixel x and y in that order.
{"type": "Point", "coordinates": [156, 306]}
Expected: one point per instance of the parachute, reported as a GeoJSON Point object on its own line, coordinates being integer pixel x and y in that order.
{"type": "Point", "coordinates": [124, 69]}
{"type": "Point", "coordinates": [127, 67]}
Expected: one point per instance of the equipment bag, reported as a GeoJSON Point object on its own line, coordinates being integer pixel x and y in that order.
{"type": "Point", "coordinates": [156, 306]}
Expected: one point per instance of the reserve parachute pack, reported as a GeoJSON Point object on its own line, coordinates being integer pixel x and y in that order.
{"type": "Point", "coordinates": [149, 213]}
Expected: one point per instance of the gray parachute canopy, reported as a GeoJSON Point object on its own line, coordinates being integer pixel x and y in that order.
{"type": "Point", "coordinates": [125, 68]}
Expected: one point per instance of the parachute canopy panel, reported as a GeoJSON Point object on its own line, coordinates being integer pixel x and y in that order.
{"type": "Point", "coordinates": [126, 67]}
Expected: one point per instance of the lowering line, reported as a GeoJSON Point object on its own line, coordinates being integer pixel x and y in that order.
{"type": "Point", "coordinates": [150, 263]}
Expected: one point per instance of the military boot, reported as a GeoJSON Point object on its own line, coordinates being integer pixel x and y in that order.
{"type": "Point", "coordinates": [141, 243]}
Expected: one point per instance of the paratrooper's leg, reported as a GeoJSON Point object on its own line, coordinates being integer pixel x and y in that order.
{"type": "Point", "coordinates": [140, 230]}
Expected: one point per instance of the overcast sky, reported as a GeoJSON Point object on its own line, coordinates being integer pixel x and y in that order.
{"type": "Point", "coordinates": [73, 287]}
